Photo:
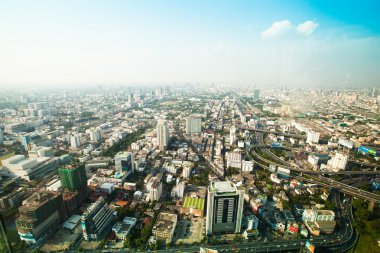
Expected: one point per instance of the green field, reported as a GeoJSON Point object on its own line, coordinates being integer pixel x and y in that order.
{"type": "Point", "coordinates": [196, 203]}
{"type": "Point", "coordinates": [368, 238]}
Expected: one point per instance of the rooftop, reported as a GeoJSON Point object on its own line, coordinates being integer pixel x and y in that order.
{"type": "Point", "coordinates": [223, 187]}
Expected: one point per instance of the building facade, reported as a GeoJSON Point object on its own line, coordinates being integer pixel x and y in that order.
{"type": "Point", "coordinates": [224, 208]}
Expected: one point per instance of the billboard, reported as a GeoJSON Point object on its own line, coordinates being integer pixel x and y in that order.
{"type": "Point", "coordinates": [368, 151]}
{"type": "Point", "coordinates": [310, 246]}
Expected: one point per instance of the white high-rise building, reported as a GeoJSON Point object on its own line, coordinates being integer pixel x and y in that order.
{"type": "Point", "coordinates": [75, 141]}
{"type": "Point", "coordinates": [162, 135]}
{"type": "Point", "coordinates": [193, 124]}
{"type": "Point", "coordinates": [218, 148]}
{"type": "Point", "coordinates": [180, 189]}
{"type": "Point", "coordinates": [95, 135]}
{"type": "Point", "coordinates": [312, 137]}
{"type": "Point", "coordinates": [187, 168]}
{"type": "Point", "coordinates": [232, 135]}
{"type": "Point", "coordinates": [339, 161]}
{"type": "Point", "coordinates": [156, 191]}
{"type": "Point", "coordinates": [224, 208]}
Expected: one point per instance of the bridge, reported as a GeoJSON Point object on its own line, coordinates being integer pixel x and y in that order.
{"type": "Point", "coordinates": [260, 130]}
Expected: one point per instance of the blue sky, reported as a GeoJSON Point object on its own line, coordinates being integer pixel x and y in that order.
{"type": "Point", "coordinates": [305, 43]}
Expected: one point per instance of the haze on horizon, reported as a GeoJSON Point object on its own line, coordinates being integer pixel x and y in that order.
{"type": "Point", "coordinates": [303, 43]}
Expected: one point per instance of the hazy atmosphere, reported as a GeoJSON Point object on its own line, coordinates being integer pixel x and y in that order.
{"type": "Point", "coordinates": [303, 43]}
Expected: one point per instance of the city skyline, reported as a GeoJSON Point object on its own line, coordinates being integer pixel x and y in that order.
{"type": "Point", "coordinates": [47, 44]}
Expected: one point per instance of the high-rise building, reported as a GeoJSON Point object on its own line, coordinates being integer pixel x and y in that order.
{"type": "Point", "coordinates": [232, 135]}
{"type": "Point", "coordinates": [224, 208]}
{"type": "Point", "coordinates": [40, 215]}
{"type": "Point", "coordinates": [125, 161]}
{"type": "Point", "coordinates": [193, 124]}
{"type": "Point", "coordinates": [74, 183]}
{"type": "Point", "coordinates": [73, 178]}
{"type": "Point", "coordinates": [95, 134]}
{"type": "Point", "coordinates": [95, 220]}
{"type": "Point", "coordinates": [162, 135]}
{"type": "Point", "coordinates": [156, 191]}
{"type": "Point", "coordinates": [256, 95]}
{"type": "Point", "coordinates": [1, 136]}
{"type": "Point", "coordinates": [75, 141]}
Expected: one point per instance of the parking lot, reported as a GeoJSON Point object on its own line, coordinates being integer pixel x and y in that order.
{"type": "Point", "coordinates": [189, 231]}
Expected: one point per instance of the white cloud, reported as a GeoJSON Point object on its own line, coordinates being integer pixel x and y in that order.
{"type": "Point", "coordinates": [277, 28]}
{"type": "Point", "coordinates": [307, 27]}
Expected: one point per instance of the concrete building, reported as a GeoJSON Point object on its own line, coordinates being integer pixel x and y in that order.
{"type": "Point", "coordinates": [339, 161]}
{"type": "Point", "coordinates": [95, 220]}
{"type": "Point", "coordinates": [164, 227]}
{"type": "Point", "coordinates": [193, 124]}
{"type": "Point", "coordinates": [29, 169]}
{"type": "Point", "coordinates": [187, 168]}
{"type": "Point", "coordinates": [40, 215]}
{"type": "Point", "coordinates": [156, 191]}
{"type": "Point", "coordinates": [124, 161]}
{"type": "Point", "coordinates": [75, 141]}
{"type": "Point", "coordinates": [311, 215]}
{"type": "Point", "coordinates": [123, 229]}
{"type": "Point", "coordinates": [162, 135]}
{"type": "Point", "coordinates": [312, 137]}
{"type": "Point", "coordinates": [247, 166]}
{"type": "Point", "coordinates": [234, 158]}
{"type": "Point", "coordinates": [232, 135]}
{"type": "Point", "coordinates": [224, 208]}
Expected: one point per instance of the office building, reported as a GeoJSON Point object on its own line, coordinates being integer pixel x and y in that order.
{"type": "Point", "coordinates": [162, 135]}
{"type": "Point", "coordinates": [193, 124]}
{"type": "Point", "coordinates": [124, 161]}
{"type": "Point", "coordinates": [29, 169]}
{"type": "Point", "coordinates": [96, 220]}
{"type": "Point", "coordinates": [224, 208]}
{"type": "Point", "coordinates": [40, 215]}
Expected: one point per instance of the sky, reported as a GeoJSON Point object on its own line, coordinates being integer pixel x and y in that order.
{"type": "Point", "coordinates": [283, 42]}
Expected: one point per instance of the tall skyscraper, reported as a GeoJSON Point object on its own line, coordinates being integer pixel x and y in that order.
{"type": "Point", "coordinates": [162, 135]}
{"type": "Point", "coordinates": [224, 208]}
{"type": "Point", "coordinates": [193, 124]}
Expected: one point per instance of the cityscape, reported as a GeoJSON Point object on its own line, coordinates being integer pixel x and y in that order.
{"type": "Point", "coordinates": [127, 164]}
